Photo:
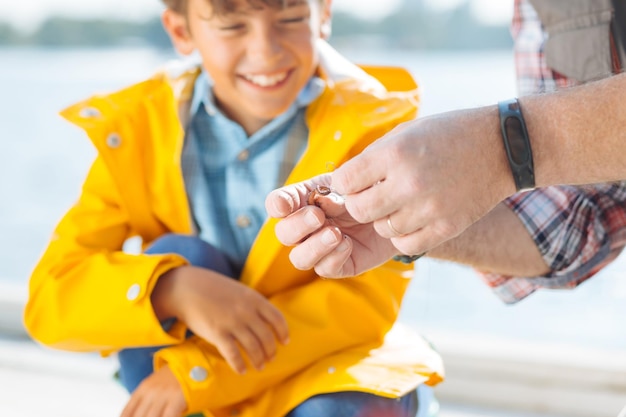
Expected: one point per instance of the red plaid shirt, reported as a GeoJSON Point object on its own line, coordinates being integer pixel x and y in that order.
{"type": "Point", "coordinates": [578, 230]}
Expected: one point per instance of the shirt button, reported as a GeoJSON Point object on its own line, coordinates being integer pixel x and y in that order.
{"type": "Point", "coordinates": [243, 155]}
{"type": "Point", "coordinates": [243, 221]}
{"type": "Point", "coordinates": [209, 110]}
{"type": "Point", "coordinates": [133, 292]}
{"type": "Point", "coordinates": [89, 112]}
{"type": "Point", "coordinates": [114, 140]}
{"type": "Point", "coordinates": [198, 374]}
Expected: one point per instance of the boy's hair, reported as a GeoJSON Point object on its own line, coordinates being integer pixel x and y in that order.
{"type": "Point", "coordinates": [224, 7]}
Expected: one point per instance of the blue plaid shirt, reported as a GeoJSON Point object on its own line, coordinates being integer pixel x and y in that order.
{"type": "Point", "coordinates": [228, 173]}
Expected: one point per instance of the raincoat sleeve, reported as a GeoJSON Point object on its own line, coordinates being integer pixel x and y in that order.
{"type": "Point", "coordinates": [324, 317]}
{"type": "Point", "coordinates": [86, 294]}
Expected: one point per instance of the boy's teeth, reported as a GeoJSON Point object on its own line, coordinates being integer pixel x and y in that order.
{"type": "Point", "coordinates": [266, 80]}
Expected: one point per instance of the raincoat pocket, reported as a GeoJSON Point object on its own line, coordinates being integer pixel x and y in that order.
{"type": "Point", "coordinates": [580, 42]}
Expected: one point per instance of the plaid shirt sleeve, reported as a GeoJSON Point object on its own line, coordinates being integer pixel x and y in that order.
{"type": "Point", "coordinates": [578, 230]}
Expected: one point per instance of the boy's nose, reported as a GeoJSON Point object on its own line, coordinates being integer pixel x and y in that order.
{"type": "Point", "coordinates": [265, 46]}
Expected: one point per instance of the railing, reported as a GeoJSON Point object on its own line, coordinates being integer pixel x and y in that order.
{"type": "Point", "coordinates": [494, 373]}
{"type": "Point", "coordinates": [539, 378]}
{"type": "Point", "coordinates": [12, 301]}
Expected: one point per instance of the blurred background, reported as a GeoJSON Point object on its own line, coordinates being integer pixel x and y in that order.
{"type": "Point", "coordinates": [557, 352]}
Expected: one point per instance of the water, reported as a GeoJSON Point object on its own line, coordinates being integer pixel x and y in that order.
{"type": "Point", "coordinates": [44, 160]}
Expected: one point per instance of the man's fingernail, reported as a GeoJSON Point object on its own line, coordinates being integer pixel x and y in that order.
{"type": "Point", "coordinates": [281, 195]}
{"type": "Point", "coordinates": [311, 220]}
{"type": "Point", "coordinates": [343, 246]}
{"type": "Point", "coordinates": [328, 237]}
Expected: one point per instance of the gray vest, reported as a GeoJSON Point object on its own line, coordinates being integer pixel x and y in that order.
{"type": "Point", "coordinates": [586, 38]}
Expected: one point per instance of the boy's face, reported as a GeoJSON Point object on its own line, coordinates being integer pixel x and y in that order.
{"type": "Point", "coordinates": [258, 57]}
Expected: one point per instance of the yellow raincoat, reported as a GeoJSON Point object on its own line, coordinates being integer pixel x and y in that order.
{"type": "Point", "coordinates": [86, 294]}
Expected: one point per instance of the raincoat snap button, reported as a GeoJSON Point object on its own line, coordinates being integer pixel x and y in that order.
{"type": "Point", "coordinates": [114, 140]}
{"type": "Point", "coordinates": [234, 412]}
{"type": "Point", "coordinates": [381, 109]}
{"type": "Point", "coordinates": [243, 155]}
{"type": "Point", "coordinates": [89, 112]}
{"type": "Point", "coordinates": [198, 374]}
{"type": "Point", "coordinates": [337, 135]}
{"type": "Point", "coordinates": [331, 370]}
{"type": "Point", "coordinates": [133, 292]}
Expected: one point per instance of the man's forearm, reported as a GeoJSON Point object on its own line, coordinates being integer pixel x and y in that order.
{"type": "Point", "coordinates": [497, 243]}
{"type": "Point", "coordinates": [578, 135]}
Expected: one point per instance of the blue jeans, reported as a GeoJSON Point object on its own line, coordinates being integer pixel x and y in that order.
{"type": "Point", "coordinates": [356, 404]}
{"type": "Point", "coordinates": [136, 363]}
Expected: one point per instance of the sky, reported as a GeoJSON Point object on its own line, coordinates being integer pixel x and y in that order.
{"type": "Point", "coordinates": [27, 14]}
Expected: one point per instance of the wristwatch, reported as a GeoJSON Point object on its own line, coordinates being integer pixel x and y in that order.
{"type": "Point", "coordinates": [517, 144]}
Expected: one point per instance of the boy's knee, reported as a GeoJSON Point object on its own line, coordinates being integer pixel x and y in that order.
{"type": "Point", "coordinates": [196, 251]}
{"type": "Point", "coordinates": [362, 404]}
{"type": "Point", "coordinates": [170, 243]}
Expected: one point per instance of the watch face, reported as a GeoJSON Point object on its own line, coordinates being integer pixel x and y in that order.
{"type": "Point", "coordinates": [517, 144]}
{"type": "Point", "coordinates": [515, 137]}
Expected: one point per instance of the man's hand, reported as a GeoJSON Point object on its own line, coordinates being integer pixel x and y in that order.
{"type": "Point", "coordinates": [427, 180]}
{"type": "Point", "coordinates": [224, 312]}
{"type": "Point", "coordinates": [324, 235]}
{"type": "Point", "coordinates": [159, 395]}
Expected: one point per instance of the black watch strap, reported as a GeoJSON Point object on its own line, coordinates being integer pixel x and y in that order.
{"type": "Point", "coordinates": [408, 259]}
{"type": "Point", "coordinates": [517, 144]}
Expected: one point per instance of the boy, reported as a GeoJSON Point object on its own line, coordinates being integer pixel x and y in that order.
{"type": "Point", "coordinates": [185, 161]}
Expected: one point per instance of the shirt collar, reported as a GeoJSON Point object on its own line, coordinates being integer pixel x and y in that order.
{"type": "Point", "coordinates": [203, 94]}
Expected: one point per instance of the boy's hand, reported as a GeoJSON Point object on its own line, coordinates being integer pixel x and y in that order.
{"type": "Point", "coordinates": [326, 237]}
{"type": "Point", "coordinates": [224, 312]}
{"type": "Point", "coordinates": [159, 395]}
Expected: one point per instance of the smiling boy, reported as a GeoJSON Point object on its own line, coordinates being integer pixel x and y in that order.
{"type": "Point", "coordinates": [211, 317]}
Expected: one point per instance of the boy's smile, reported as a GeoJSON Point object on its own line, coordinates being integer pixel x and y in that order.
{"type": "Point", "coordinates": [259, 57]}
{"type": "Point", "coordinates": [267, 80]}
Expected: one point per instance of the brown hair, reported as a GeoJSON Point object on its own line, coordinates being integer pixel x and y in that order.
{"type": "Point", "coordinates": [223, 7]}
